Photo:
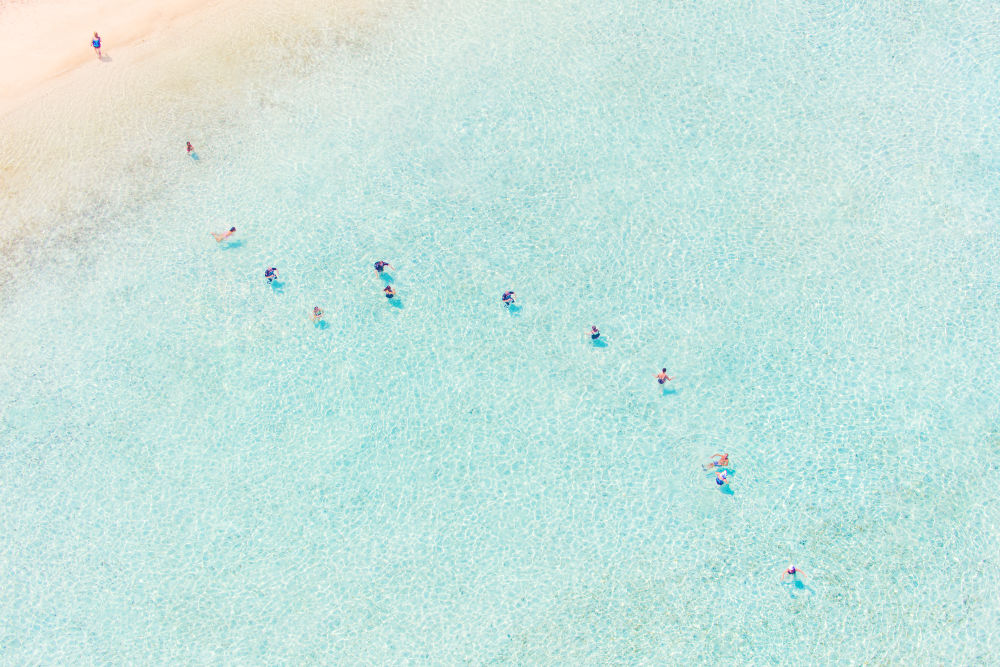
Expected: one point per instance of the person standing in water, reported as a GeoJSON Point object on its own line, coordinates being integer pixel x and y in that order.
{"type": "Point", "coordinates": [380, 266]}
{"type": "Point", "coordinates": [508, 298]}
{"type": "Point", "coordinates": [662, 376]}
{"type": "Point", "coordinates": [222, 236]}
{"type": "Point", "coordinates": [317, 314]}
{"type": "Point", "coordinates": [270, 274]}
{"type": "Point", "coordinates": [389, 292]}
{"type": "Point", "coordinates": [594, 333]}
{"type": "Point", "coordinates": [792, 572]}
{"type": "Point", "coordinates": [96, 43]}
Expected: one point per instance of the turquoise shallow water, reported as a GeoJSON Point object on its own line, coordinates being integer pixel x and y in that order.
{"type": "Point", "coordinates": [793, 209]}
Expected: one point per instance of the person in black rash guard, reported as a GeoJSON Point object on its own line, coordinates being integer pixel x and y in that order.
{"type": "Point", "coordinates": [380, 266]}
{"type": "Point", "coordinates": [389, 292]}
{"type": "Point", "coordinates": [271, 274]}
{"type": "Point", "coordinates": [508, 298]}
{"type": "Point", "coordinates": [594, 333]}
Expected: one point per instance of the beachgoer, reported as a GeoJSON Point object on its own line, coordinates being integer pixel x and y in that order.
{"type": "Point", "coordinates": [190, 147]}
{"type": "Point", "coordinates": [594, 333]}
{"type": "Point", "coordinates": [721, 463]}
{"type": "Point", "coordinates": [317, 314]}
{"type": "Point", "coordinates": [96, 43]}
{"type": "Point", "coordinates": [721, 478]}
{"type": "Point", "coordinates": [389, 292]}
{"type": "Point", "coordinates": [662, 376]}
{"type": "Point", "coordinates": [793, 572]}
{"type": "Point", "coordinates": [508, 298]}
{"type": "Point", "coordinates": [271, 274]}
{"type": "Point", "coordinates": [380, 266]}
{"type": "Point", "coordinates": [222, 236]}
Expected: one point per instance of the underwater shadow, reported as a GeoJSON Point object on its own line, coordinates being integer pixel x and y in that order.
{"type": "Point", "coordinates": [395, 302]}
{"type": "Point", "coordinates": [322, 325]}
{"type": "Point", "coordinates": [600, 342]}
{"type": "Point", "coordinates": [798, 586]}
{"type": "Point", "coordinates": [194, 156]}
{"type": "Point", "coordinates": [669, 392]}
{"type": "Point", "coordinates": [387, 279]}
{"type": "Point", "coordinates": [277, 287]}
{"type": "Point", "coordinates": [233, 245]}
{"type": "Point", "coordinates": [514, 309]}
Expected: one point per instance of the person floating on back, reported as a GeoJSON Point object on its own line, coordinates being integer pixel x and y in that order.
{"type": "Point", "coordinates": [222, 236]}
{"type": "Point", "coordinates": [389, 292]}
{"type": "Point", "coordinates": [594, 333]}
{"type": "Point", "coordinates": [721, 463]}
{"type": "Point", "coordinates": [508, 298]}
{"type": "Point", "coordinates": [792, 572]}
{"type": "Point", "coordinates": [270, 274]}
{"type": "Point", "coordinates": [96, 43]}
{"type": "Point", "coordinates": [662, 376]}
{"type": "Point", "coordinates": [317, 314]}
{"type": "Point", "coordinates": [380, 266]}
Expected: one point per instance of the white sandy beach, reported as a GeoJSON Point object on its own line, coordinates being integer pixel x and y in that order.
{"type": "Point", "coordinates": [170, 66]}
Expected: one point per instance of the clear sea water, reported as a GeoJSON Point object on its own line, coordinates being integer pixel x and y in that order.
{"type": "Point", "coordinates": [790, 206]}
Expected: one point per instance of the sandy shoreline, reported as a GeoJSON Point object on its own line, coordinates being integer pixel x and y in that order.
{"type": "Point", "coordinates": [74, 129]}
{"type": "Point", "coordinates": [52, 37]}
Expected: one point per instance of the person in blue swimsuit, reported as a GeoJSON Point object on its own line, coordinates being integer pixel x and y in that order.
{"type": "Point", "coordinates": [594, 333]}
{"type": "Point", "coordinates": [721, 478]}
{"type": "Point", "coordinates": [96, 43]}
{"type": "Point", "coordinates": [508, 298]}
{"type": "Point", "coordinates": [662, 376]}
{"type": "Point", "coordinates": [389, 292]}
{"type": "Point", "coordinates": [381, 266]}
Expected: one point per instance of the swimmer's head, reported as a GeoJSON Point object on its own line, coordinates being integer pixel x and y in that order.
{"type": "Point", "coordinates": [663, 370]}
{"type": "Point", "coordinates": [232, 229]}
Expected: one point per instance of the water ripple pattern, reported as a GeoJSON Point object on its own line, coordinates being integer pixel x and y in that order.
{"type": "Point", "coordinates": [790, 206]}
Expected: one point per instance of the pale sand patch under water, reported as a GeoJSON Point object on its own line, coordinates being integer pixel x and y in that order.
{"type": "Point", "coordinates": [70, 125]}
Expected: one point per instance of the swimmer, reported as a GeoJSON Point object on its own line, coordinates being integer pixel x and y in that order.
{"type": "Point", "coordinates": [389, 292]}
{"type": "Point", "coordinates": [594, 333]}
{"type": "Point", "coordinates": [271, 274]}
{"type": "Point", "coordinates": [222, 236]}
{"type": "Point", "coordinates": [662, 376]}
{"type": "Point", "coordinates": [721, 463]}
{"type": "Point", "coordinates": [721, 478]}
{"type": "Point", "coordinates": [508, 298]}
{"type": "Point", "coordinates": [317, 314]}
{"type": "Point", "coordinates": [380, 266]}
{"type": "Point", "coordinates": [96, 43]}
{"type": "Point", "coordinates": [793, 572]}
{"type": "Point", "coordinates": [190, 147]}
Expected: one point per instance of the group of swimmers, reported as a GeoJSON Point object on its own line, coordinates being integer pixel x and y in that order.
{"type": "Point", "coordinates": [719, 462]}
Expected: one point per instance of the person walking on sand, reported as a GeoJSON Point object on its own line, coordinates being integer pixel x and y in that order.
{"type": "Point", "coordinates": [222, 236]}
{"type": "Point", "coordinates": [662, 376]}
{"type": "Point", "coordinates": [96, 43]}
